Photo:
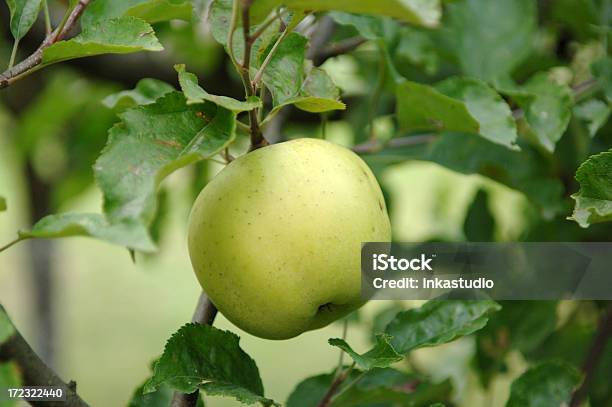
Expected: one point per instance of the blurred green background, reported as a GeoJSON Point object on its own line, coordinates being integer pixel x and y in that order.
{"type": "Point", "coordinates": [100, 319]}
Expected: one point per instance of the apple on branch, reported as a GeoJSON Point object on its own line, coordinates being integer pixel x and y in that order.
{"type": "Point", "coordinates": [275, 237]}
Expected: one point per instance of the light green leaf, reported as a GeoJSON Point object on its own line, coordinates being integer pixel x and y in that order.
{"type": "Point", "coordinates": [117, 36]}
{"type": "Point", "coordinates": [547, 107]}
{"type": "Point", "coordinates": [146, 92]}
{"type": "Point", "coordinates": [6, 326]}
{"type": "Point", "coordinates": [438, 322]}
{"type": "Point", "coordinates": [2, 204]}
{"type": "Point", "coordinates": [284, 73]}
{"type": "Point", "coordinates": [489, 38]}
{"type": "Point", "coordinates": [421, 107]}
{"type": "Point", "coordinates": [486, 106]}
{"type": "Point", "coordinates": [381, 355]}
{"type": "Point", "coordinates": [200, 356]}
{"type": "Point", "coordinates": [162, 397]}
{"type": "Point", "coordinates": [219, 17]}
{"type": "Point", "coordinates": [23, 15]}
{"type": "Point", "coordinates": [195, 94]}
{"type": "Point", "coordinates": [152, 11]}
{"type": "Point", "coordinates": [549, 384]}
{"type": "Point", "coordinates": [419, 12]}
{"type": "Point", "coordinates": [318, 94]}
{"type": "Point", "coordinates": [151, 142]}
{"type": "Point", "coordinates": [595, 113]}
{"type": "Point", "coordinates": [129, 234]}
{"type": "Point", "coordinates": [594, 199]}
{"type": "Point", "coordinates": [602, 70]}
{"type": "Point", "coordinates": [369, 27]}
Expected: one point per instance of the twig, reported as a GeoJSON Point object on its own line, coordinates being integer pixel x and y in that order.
{"type": "Point", "coordinates": [266, 61]}
{"type": "Point", "coordinates": [48, 27]}
{"type": "Point", "coordinates": [34, 372]}
{"type": "Point", "coordinates": [604, 331]}
{"type": "Point", "coordinates": [373, 146]}
{"type": "Point", "coordinates": [342, 47]}
{"type": "Point", "coordinates": [333, 388]}
{"type": "Point", "coordinates": [257, 138]}
{"type": "Point", "coordinates": [204, 314]}
{"type": "Point", "coordinates": [29, 64]}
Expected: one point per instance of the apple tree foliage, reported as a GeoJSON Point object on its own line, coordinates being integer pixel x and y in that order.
{"type": "Point", "coordinates": [518, 92]}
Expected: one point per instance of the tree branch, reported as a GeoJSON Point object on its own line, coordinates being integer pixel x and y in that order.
{"type": "Point", "coordinates": [339, 48]}
{"type": "Point", "coordinates": [204, 314]}
{"type": "Point", "coordinates": [30, 64]}
{"type": "Point", "coordinates": [373, 146]}
{"type": "Point", "coordinates": [333, 388]}
{"type": "Point", "coordinates": [604, 332]}
{"type": "Point", "coordinates": [34, 372]}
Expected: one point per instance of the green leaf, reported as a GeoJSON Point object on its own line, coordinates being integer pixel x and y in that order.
{"type": "Point", "coordinates": [595, 113]}
{"type": "Point", "coordinates": [457, 104]}
{"type": "Point", "coordinates": [594, 199]}
{"type": "Point", "coordinates": [200, 356]}
{"type": "Point", "coordinates": [152, 11]}
{"type": "Point", "coordinates": [419, 12]}
{"type": "Point", "coordinates": [479, 224]}
{"type": "Point", "coordinates": [6, 326]}
{"type": "Point", "coordinates": [602, 70]}
{"type": "Point", "coordinates": [369, 27]}
{"type": "Point", "coordinates": [195, 94]}
{"type": "Point", "coordinates": [284, 73]}
{"type": "Point", "coordinates": [151, 142]}
{"type": "Point", "coordinates": [381, 355]}
{"type": "Point", "coordinates": [549, 384]}
{"type": "Point", "coordinates": [421, 107]}
{"type": "Point", "coordinates": [146, 92]}
{"type": "Point", "coordinates": [318, 94]}
{"type": "Point", "coordinates": [129, 234]}
{"type": "Point", "coordinates": [547, 107]}
{"type": "Point", "coordinates": [486, 106]}
{"type": "Point", "coordinates": [2, 204]}
{"type": "Point", "coordinates": [10, 377]}
{"type": "Point", "coordinates": [489, 38]}
{"type": "Point", "coordinates": [162, 397]}
{"type": "Point", "coordinates": [121, 35]}
{"type": "Point", "coordinates": [438, 322]}
{"type": "Point", "coordinates": [380, 387]}
{"type": "Point", "coordinates": [23, 16]}
{"type": "Point", "coordinates": [219, 18]}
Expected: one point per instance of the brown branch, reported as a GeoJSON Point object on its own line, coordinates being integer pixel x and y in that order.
{"type": "Point", "coordinates": [333, 388]}
{"type": "Point", "coordinates": [339, 48]}
{"type": "Point", "coordinates": [29, 64]}
{"type": "Point", "coordinates": [204, 314]}
{"type": "Point", "coordinates": [604, 332]}
{"type": "Point", "coordinates": [373, 146]}
{"type": "Point", "coordinates": [34, 372]}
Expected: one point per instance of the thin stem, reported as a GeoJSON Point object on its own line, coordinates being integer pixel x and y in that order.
{"type": "Point", "coordinates": [243, 127]}
{"type": "Point", "coordinates": [230, 37]}
{"type": "Point", "coordinates": [373, 146]}
{"type": "Point", "coordinates": [333, 388]}
{"type": "Point", "coordinates": [266, 61]}
{"type": "Point", "coordinates": [348, 386]}
{"type": "Point", "coordinates": [264, 26]}
{"type": "Point", "coordinates": [14, 242]}
{"type": "Point", "coordinates": [604, 331]}
{"type": "Point", "coordinates": [48, 26]}
{"type": "Point", "coordinates": [341, 357]}
{"type": "Point", "coordinates": [32, 63]}
{"type": "Point", "coordinates": [13, 54]}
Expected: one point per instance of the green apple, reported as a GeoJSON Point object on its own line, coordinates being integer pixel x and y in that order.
{"type": "Point", "coordinates": [275, 237]}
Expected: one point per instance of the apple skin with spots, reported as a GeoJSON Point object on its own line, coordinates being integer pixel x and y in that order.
{"type": "Point", "coordinates": [275, 237]}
